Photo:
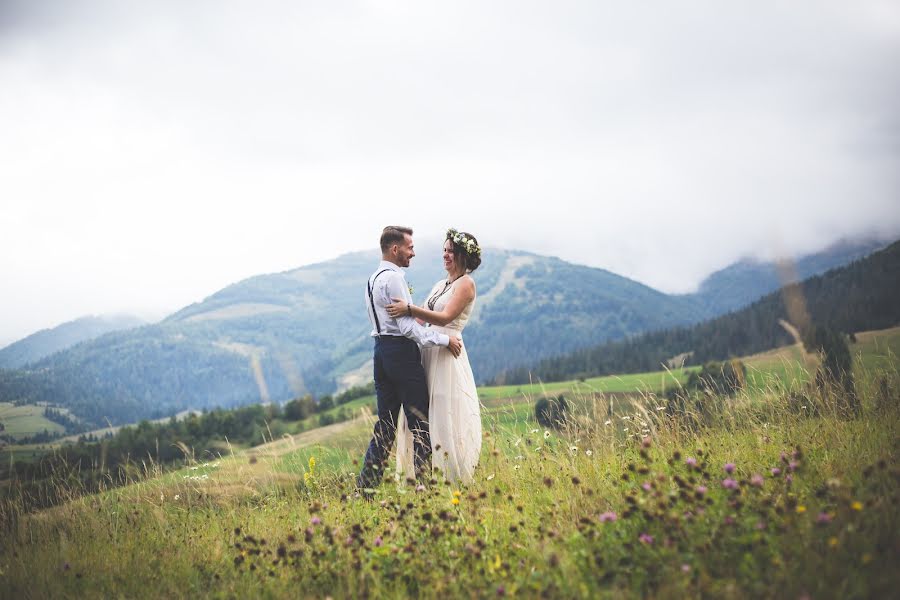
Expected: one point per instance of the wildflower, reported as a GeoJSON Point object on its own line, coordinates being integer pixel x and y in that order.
{"type": "Point", "coordinates": [490, 477]}
{"type": "Point", "coordinates": [608, 517]}
{"type": "Point", "coordinates": [455, 501]}
{"type": "Point", "coordinates": [690, 461]}
{"type": "Point", "coordinates": [378, 541]}
{"type": "Point", "coordinates": [535, 431]}
{"type": "Point", "coordinates": [647, 487]}
{"type": "Point", "coordinates": [589, 452]}
{"type": "Point", "coordinates": [607, 422]}
{"type": "Point", "coordinates": [776, 471]}
{"type": "Point", "coordinates": [789, 479]}
{"type": "Point", "coordinates": [516, 467]}
{"type": "Point", "coordinates": [756, 480]}
{"type": "Point", "coordinates": [760, 525]}
{"type": "Point", "coordinates": [546, 434]}
{"type": "Point", "coordinates": [645, 539]}
{"type": "Point", "coordinates": [729, 520]}
{"type": "Point", "coordinates": [685, 568]}
{"type": "Point", "coordinates": [729, 468]}
{"type": "Point", "coordinates": [645, 442]}
{"type": "Point", "coordinates": [832, 542]}
{"type": "Point", "coordinates": [793, 465]}
{"type": "Point", "coordinates": [800, 509]}
{"type": "Point", "coordinates": [660, 408]}
{"type": "Point", "coordinates": [420, 488]}
{"type": "Point", "coordinates": [729, 484]}
{"type": "Point", "coordinates": [315, 521]}
{"type": "Point", "coordinates": [573, 449]}
{"type": "Point", "coordinates": [823, 518]}
{"type": "Point", "coordinates": [857, 505]}
{"type": "Point", "coordinates": [177, 496]}
{"type": "Point", "coordinates": [701, 489]}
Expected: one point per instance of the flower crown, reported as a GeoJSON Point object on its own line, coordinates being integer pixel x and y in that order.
{"type": "Point", "coordinates": [467, 242]}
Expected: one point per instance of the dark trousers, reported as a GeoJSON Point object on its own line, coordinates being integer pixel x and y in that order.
{"type": "Point", "coordinates": [399, 383]}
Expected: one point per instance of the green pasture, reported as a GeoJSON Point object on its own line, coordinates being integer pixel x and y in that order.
{"type": "Point", "coordinates": [26, 420]}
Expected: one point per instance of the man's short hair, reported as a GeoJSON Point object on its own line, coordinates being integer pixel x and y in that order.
{"type": "Point", "coordinates": [393, 234]}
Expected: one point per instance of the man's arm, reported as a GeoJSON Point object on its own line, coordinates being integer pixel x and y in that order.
{"type": "Point", "coordinates": [396, 287]}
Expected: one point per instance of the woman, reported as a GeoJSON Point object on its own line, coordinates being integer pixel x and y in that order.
{"type": "Point", "coordinates": [454, 414]}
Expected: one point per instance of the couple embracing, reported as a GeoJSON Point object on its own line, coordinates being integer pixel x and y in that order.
{"type": "Point", "coordinates": [423, 381]}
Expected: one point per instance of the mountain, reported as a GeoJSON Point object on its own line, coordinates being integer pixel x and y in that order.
{"type": "Point", "coordinates": [48, 341]}
{"type": "Point", "coordinates": [856, 297]}
{"type": "Point", "coordinates": [281, 335]}
{"type": "Point", "coordinates": [745, 281]}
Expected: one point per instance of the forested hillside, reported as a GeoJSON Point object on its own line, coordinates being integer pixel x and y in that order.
{"type": "Point", "coordinates": [47, 341]}
{"type": "Point", "coordinates": [859, 296]}
{"type": "Point", "coordinates": [283, 335]}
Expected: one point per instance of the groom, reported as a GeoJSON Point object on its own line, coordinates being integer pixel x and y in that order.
{"type": "Point", "coordinates": [399, 376]}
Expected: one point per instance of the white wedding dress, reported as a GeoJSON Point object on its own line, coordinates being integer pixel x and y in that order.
{"type": "Point", "coordinates": [454, 413]}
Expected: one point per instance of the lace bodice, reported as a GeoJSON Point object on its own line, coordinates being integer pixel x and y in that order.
{"type": "Point", "coordinates": [459, 323]}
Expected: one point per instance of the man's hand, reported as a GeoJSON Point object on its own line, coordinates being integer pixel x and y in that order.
{"type": "Point", "coordinates": [455, 346]}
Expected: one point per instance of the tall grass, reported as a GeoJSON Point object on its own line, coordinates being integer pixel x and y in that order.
{"type": "Point", "coordinates": [775, 493]}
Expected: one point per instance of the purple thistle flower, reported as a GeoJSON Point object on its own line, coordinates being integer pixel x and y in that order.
{"type": "Point", "coordinates": [823, 518]}
{"type": "Point", "coordinates": [784, 457]}
{"type": "Point", "coordinates": [776, 471]}
{"type": "Point", "coordinates": [645, 539]}
{"type": "Point", "coordinates": [729, 468]}
{"type": "Point", "coordinates": [793, 465]}
{"type": "Point", "coordinates": [647, 487]}
{"type": "Point", "coordinates": [315, 521]}
{"type": "Point", "coordinates": [729, 484]}
{"type": "Point", "coordinates": [608, 517]}
{"type": "Point", "coordinates": [420, 488]}
{"type": "Point", "coordinates": [757, 480]}
{"type": "Point", "coordinates": [729, 520]}
{"type": "Point", "coordinates": [378, 541]}
{"type": "Point", "coordinates": [701, 489]}
{"type": "Point", "coordinates": [690, 461]}
{"type": "Point", "coordinates": [789, 479]}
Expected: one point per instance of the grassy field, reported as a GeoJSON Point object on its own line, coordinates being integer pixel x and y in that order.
{"type": "Point", "coordinates": [751, 497]}
{"type": "Point", "coordinates": [27, 420]}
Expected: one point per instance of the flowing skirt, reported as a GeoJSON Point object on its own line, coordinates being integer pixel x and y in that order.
{"type": "Point", "coordinates": [454, 417]}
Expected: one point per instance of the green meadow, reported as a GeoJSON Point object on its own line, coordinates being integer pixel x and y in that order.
{"type": "Point", "coordinates": [758, 495]}
{"type": "Point", "coordinates": [26, 420]}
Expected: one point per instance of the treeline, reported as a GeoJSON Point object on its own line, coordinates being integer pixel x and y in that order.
{"type": "Point", "coordinates": [125, 455]}
{"type": "Point", "coordinates": [860, 296]}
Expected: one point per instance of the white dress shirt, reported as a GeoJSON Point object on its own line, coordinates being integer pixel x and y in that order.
{"type": "Point", "coordinates": [387, 286]}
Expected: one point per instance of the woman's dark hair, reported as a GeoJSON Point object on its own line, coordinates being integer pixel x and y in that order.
{"type": "Point", "coordinates": [471, 260]}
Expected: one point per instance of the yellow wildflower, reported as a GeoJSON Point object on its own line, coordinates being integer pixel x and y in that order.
{"type": "Point", "coordinates": [455, 501]}
{"type": "Point", "coordinates": [832, 542]}
{"type": "Point", "coordinates": [457, 493]}
{"type": "Point", "coordinates": [800, 509]}
{"type": "Point", "coordinates": [857, 505]}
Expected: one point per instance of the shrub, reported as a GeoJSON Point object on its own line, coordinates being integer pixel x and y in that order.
{"type": "Point", "coordinates": [551, 412]}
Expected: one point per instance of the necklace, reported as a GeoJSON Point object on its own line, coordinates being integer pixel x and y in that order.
{"type": "Point", "coordinates": [436, 296]}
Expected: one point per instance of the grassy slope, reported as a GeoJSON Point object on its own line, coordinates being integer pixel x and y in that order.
{"type": "Point", "coordinates": [527, 535]}
{"type": "Point", "coordinates": [26, 420]}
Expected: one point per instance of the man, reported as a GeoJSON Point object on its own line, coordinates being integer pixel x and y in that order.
{"type": "Point", "coordinates": [399, 376]}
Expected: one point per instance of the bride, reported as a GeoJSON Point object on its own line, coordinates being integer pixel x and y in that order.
{"type": "Point", "coordinates": [454, 414]}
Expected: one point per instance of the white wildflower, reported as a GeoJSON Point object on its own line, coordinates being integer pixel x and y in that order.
{"type": "Point", "coordinates": [589, 452]}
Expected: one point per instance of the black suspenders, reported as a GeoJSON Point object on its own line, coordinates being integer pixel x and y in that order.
{"type": "Point", "coordinates": [372, 301]}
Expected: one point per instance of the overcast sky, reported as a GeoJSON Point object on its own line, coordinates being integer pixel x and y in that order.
{"type": "Point", "coordinates": [154, 152]}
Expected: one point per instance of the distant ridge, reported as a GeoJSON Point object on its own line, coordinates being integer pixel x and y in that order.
{"type": "Point", "coordinates": [49, 341]}
{"type": "Point", "coordinates": [856, 297]}
{"type": "Point", "coordinates": [281, 335]}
